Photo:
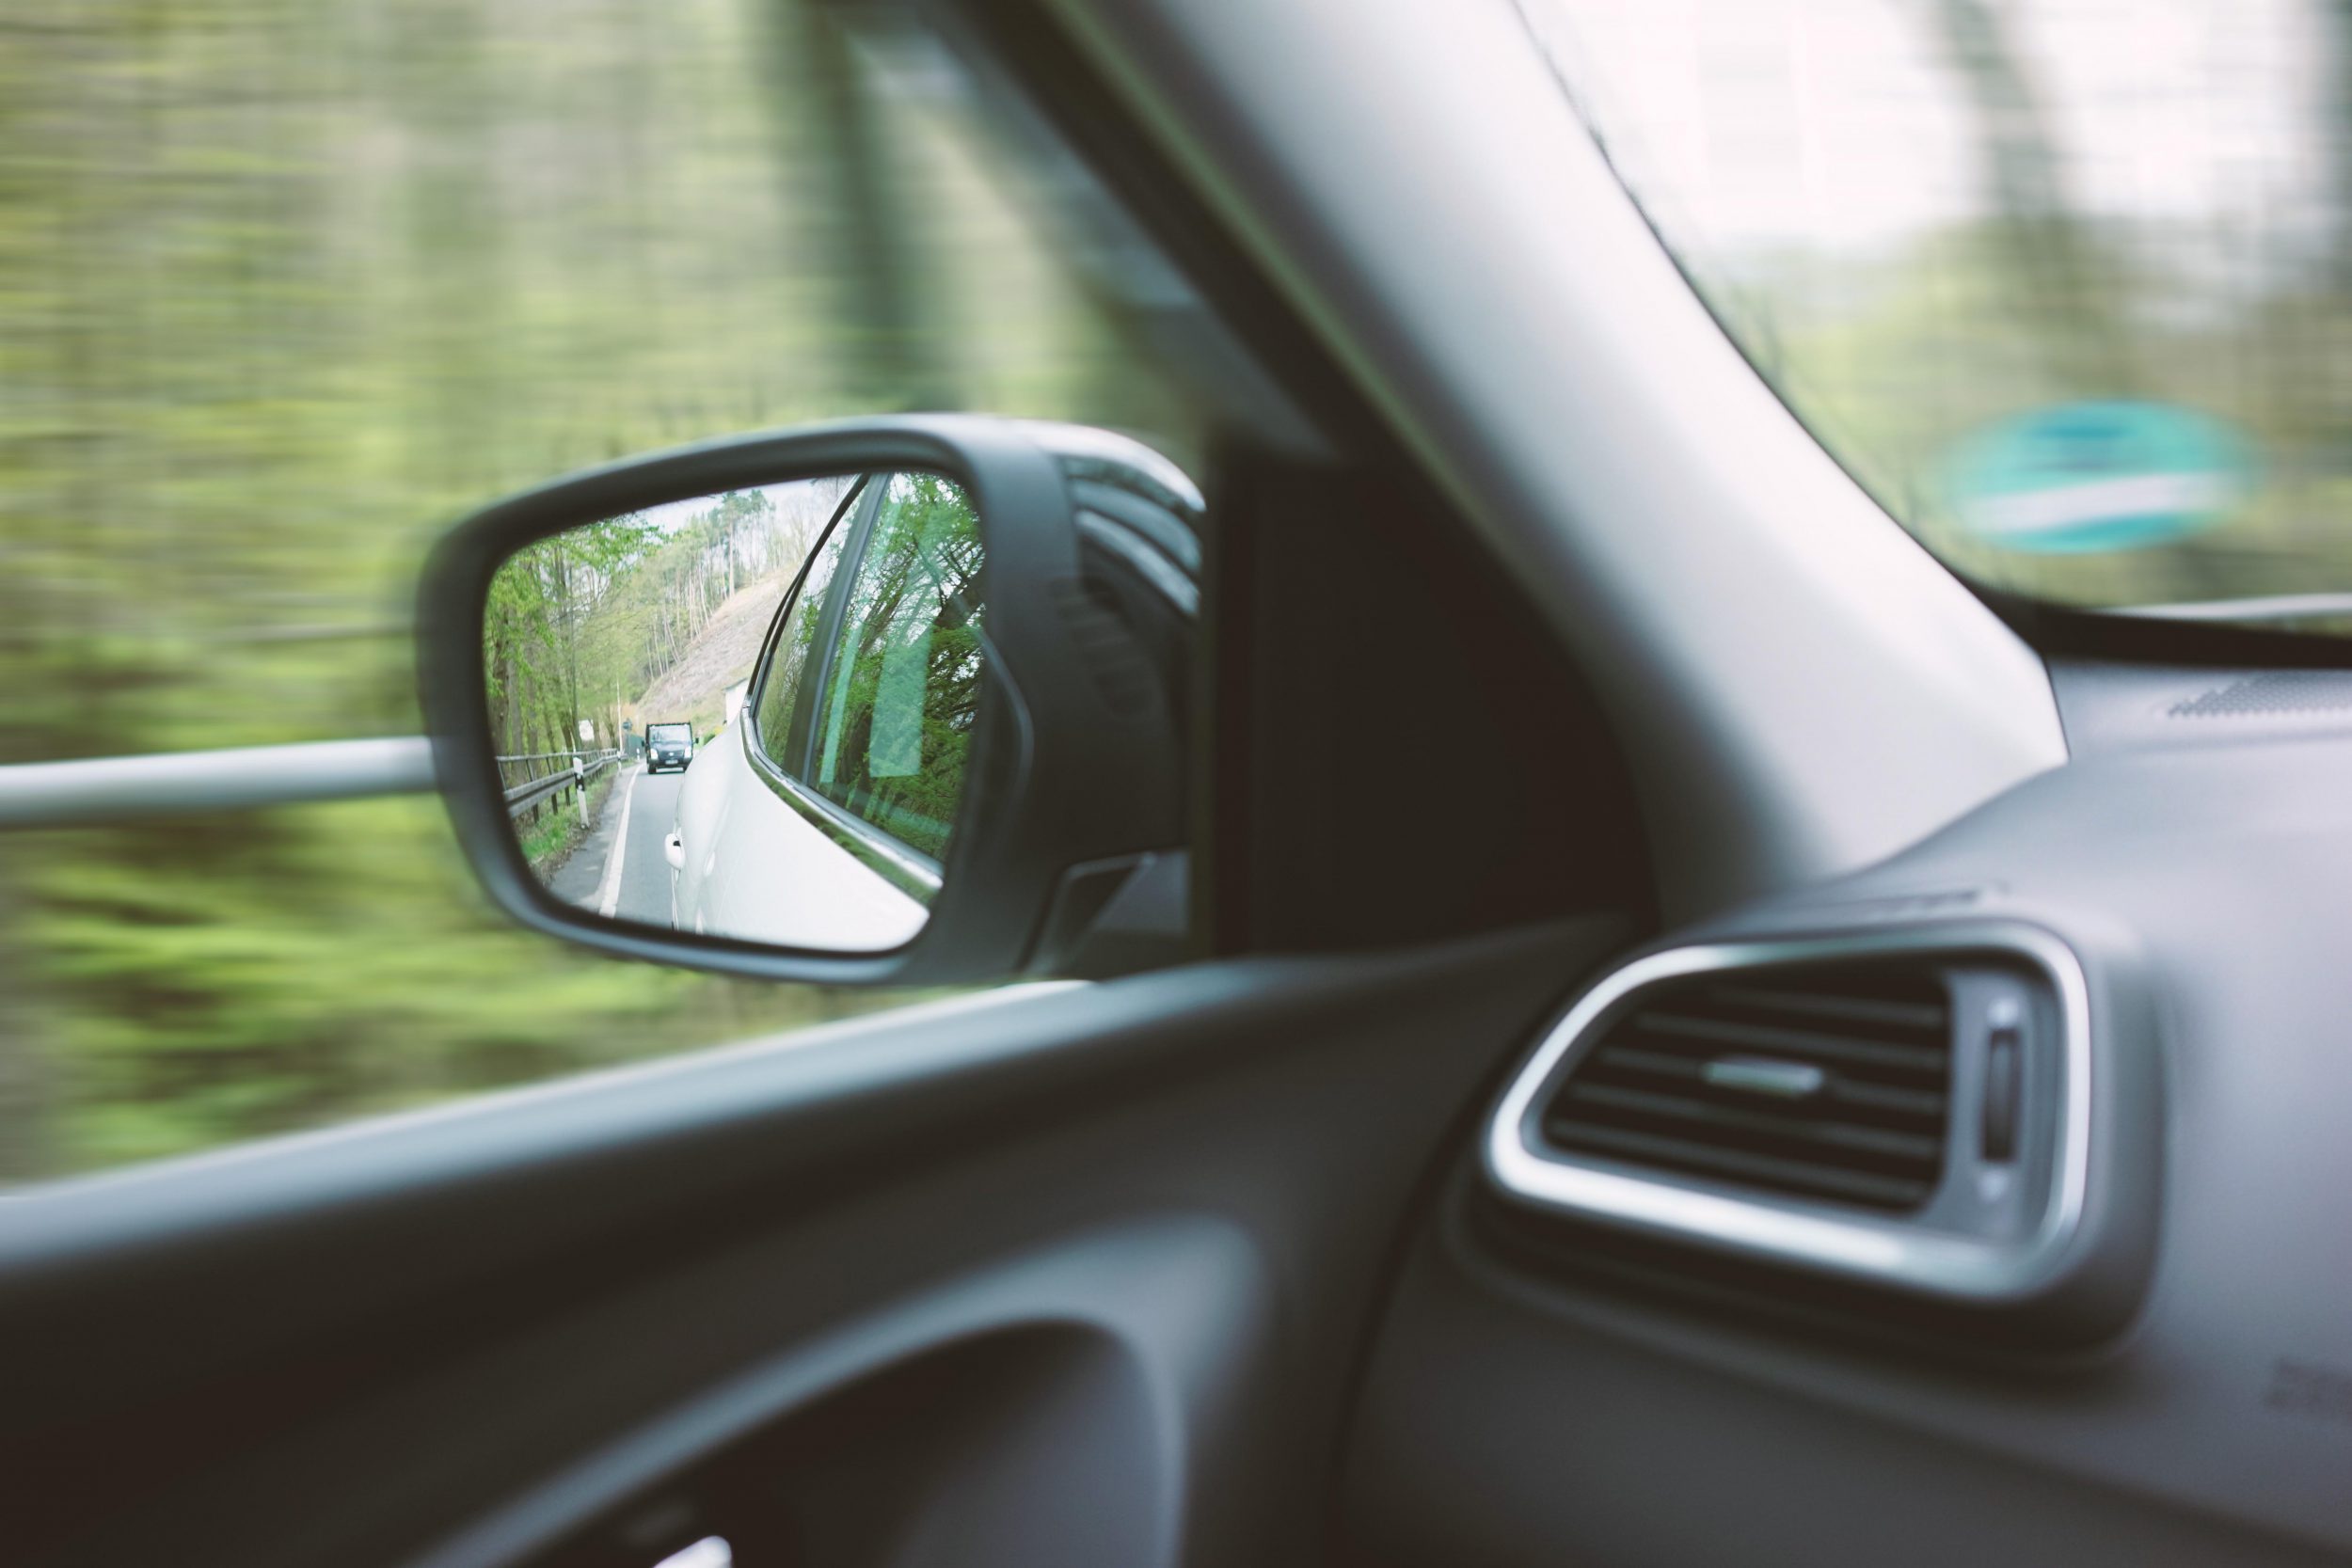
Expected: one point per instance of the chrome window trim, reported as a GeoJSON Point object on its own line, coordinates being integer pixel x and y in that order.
{"type": "Point", "coordinates": [905, 868]}
{"type": "Point", "coordinates": [1879, 1250]}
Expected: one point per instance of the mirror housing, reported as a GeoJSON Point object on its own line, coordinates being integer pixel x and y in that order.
{"type": "Point", "coordinates": [1068, 852]}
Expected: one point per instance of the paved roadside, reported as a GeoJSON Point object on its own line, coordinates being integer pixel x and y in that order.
{"type": "Point", "coordinates": [580, 879]}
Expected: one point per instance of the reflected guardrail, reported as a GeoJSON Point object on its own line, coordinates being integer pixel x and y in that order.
{"type": "Point", "coordinates": [579, 768]}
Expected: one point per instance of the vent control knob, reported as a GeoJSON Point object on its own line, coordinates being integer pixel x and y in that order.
{"type": "Point", "coordinates": [1758, 1075]}
{"type": "Point", "coordinates": [2004, 1079]}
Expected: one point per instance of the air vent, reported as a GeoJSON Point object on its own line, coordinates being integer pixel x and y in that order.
{"type": "Point", "coordinates": [1827, 1081]}
{"type": "Point", "coordinates": [1896, 1106]}
{"type": "Point", "coordinates": [1903, 1103]}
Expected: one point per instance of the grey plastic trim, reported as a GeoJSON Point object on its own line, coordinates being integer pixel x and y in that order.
{"type": "Point", "coordinates": [180, 784]}
{"type": "Point", "coordinates": [1081, 447]}
{"type": "Point", "coordinates": [1137, 1288]}
{"type": "Point", "coordinates": [1149, 564]}
{"type": "Point", "coordinates": [1886, 1251]}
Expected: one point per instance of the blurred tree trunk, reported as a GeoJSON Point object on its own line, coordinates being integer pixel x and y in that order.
{"type": "Point", "coordinates": [888, 353]}
{"type": "Point", "coordinates": [67, 152]}
{"type": "Point", "coordinates": [455, 221]}
{"type": "Point", "coordinates": [2070, 288]}
{"type": "Point", "coordinates": [2338, 150]}
{"type": "Point", "coordinates": [2310, 342]}
{"type": "Point", "coordinates": [27, 1100]}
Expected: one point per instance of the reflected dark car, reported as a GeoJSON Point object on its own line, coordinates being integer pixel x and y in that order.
{"type": "Point", "coordinates": [668, 746]}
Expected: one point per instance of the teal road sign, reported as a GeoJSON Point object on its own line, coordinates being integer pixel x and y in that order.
{"type": "Point", "coordinates": [2099, 476]}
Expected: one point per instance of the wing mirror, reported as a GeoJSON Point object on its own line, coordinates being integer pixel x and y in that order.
{"type": "Point", "coordinates": [897, 700]}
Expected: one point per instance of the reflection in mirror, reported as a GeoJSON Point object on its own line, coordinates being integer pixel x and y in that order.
{"type": "Point", "coordinates": [745, 714]}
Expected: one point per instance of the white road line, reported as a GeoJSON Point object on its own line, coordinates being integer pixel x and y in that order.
{"type": "Point", "coordinates": [609, 896]}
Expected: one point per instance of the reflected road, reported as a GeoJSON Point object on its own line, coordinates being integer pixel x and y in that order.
{"type": "Point", "coordinates": [648, 802]}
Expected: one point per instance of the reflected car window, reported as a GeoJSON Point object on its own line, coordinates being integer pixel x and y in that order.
{"type": "Point", "coordinates": [779, 693]}
{"type": "Point", "coordinates": [902, 688]}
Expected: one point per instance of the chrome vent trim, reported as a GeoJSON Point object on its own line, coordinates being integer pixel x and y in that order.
{"type": "Point", "coordinates": [1850, 1243]}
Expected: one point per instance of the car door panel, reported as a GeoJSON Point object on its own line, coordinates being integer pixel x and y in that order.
{"type": "Point", "coordinates": [759, 869]}
{"type": "Point", "coordinates": [764, 855]}
{"type": "Point", "coordinates": [382, 1338]}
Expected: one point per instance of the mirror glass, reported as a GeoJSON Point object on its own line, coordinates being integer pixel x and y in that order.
{"type": "Point", "coordinates": [745, 714]}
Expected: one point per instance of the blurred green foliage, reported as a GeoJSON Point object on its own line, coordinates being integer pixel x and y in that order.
{"type": "Point", "coordinates": [1932, 222]}
{"type": "Point", "coordinates": [290, 283]}
{"type": "Point", "coordinates": [1896, 363]}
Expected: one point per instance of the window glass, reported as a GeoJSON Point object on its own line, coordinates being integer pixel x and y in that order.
{"type": "Point", "coordinates": [2066, 284]}
{"type": "Point", "coordinates": [902, 688]}
{"type": "Point", "coordinates": [789, 661]}
{"type": "Point", "coordinates": [288, 287]}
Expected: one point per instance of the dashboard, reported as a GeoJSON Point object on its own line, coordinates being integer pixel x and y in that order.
{"type": "Point", "coordinates": [1610, 1379]}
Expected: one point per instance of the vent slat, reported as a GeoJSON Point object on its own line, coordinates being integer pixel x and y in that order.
{"type": "Point", "coordinates": [1893, 1058]}
{"type": "Point", "coordinates": [1829, 1081]}
{"type": "Point", "coordinates": [1895, 1104]}
{"type": "Point", "coordinates": [1838, 1137]}
{"type": "Point", "coordinates": [1701, 1159]}
{"type": "Point", "coordinates": [1881, 1097]}
{"type": "Point", "coordinates": [1926, 1017]}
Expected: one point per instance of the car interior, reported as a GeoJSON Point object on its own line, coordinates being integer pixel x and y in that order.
{"type": "Point", "coordinates": [1613, 1009]}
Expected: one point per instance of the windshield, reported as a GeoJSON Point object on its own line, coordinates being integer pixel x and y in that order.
{"type": "Point", "coordinates": [671, 734]}
{"type": "Point", "coordinates": [2067, 285]}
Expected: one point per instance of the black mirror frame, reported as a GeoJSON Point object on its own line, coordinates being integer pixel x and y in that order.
{"type": "Point", "coordinates": [1086, 778]}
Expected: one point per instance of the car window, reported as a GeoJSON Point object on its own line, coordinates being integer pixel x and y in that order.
{"type": "Point", "coordinates": [289, 287]}
{"type": "Point", "coordinates": [795, 644]}
{"type": "Point", "coordinates": [903, 682]}
{"type": "Point", "coordinates": [2064, 283]}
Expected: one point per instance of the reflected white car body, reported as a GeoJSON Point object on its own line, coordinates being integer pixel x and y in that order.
{"type": "Point", "coordinates": [749, 865]}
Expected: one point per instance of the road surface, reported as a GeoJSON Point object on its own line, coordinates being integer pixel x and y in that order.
{"type": "Point", "coordinates": [637, 815]}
